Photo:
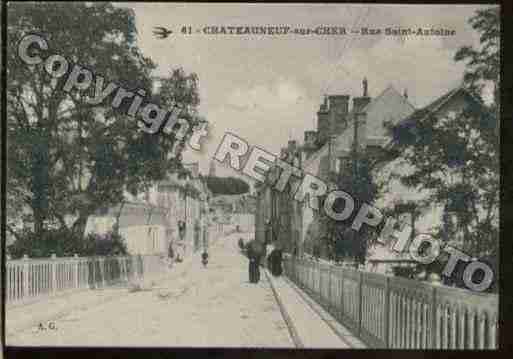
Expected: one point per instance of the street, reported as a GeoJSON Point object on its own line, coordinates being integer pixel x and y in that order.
{"type": "Point", "coordinates": [193, 307]}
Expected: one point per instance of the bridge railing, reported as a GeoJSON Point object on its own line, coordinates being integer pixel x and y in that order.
{"type": "Point", "coordinates": [30, 279]}
{"type": "Point", "coordinates": [392, 312]}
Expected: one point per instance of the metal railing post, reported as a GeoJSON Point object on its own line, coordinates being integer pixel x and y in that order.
{"type": "Point", "coordinates": [320, 282]}
{"type": "Point", "coordinates": [387, 312]}
{"type": "Point", "coordinates": [26, 269]}
{"type": "Point", "coordinates": [329, 288]}
{"type": "Point", "coordinates": [341, 293]}
{"type": "Point", "coordinates": [77, 267]}
{"type": "Point", "coordinates": [54, 272]}
{"type": "Point", "coordinates": [433, 319]}
{"type": "Point", "coordinates": [360, 298]}
{"type": "Point", "coordinates": [93, 265]}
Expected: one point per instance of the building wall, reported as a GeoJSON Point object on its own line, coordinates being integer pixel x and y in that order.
{"type": "Point", "coordinates": [160, 208]}
{"type": "Point", "coordinates": [388, 106]}
{"type": "Point", "coordinates": [145, 240]}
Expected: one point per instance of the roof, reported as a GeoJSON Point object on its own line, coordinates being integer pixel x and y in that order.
{"type": "Point", "coordinates": [434, 106]}
{"type": "Point", "coordinates": [389, 90]}
{"type": "Point", "coordinates": [388, 105]}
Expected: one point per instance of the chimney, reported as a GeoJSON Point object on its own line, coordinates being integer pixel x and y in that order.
{"type": "Point", "coordinates": [324, 105]}
{"type": "Point", "coordinates": [338, 108]}
{"type": "Point", "coordinates": [292, 145]}
{"type": "Point", "coordinates": [339, 104]}
{"type": "Point", "coordinates": [310, 143]}
{"type": "Point", "coordinates": [360, 102]}
{"type": "Point", "coordinates": [310, 139]}
{"type": "Point", "coordinates": [283, 153]}
{"type": "Point", "coordinates": [323, 126]}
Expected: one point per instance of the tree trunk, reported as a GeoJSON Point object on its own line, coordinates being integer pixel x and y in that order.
{"type": "Point", "coordinates": [116, 226]}
{"type": "Point", "coordinates": [40, 183]}
{"type": "Point", "coordinates": [79, 226]}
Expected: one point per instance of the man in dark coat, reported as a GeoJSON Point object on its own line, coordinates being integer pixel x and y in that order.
{"type": "Point", "coordinates": [181, 230]}
{"type": "Point", "coordinates": [254, 253]}
{"type": "Point", "coordinates": [276, 258]}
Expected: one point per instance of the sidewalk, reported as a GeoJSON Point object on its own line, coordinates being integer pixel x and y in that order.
{"type": "Point", "coordinates": [310, 325]}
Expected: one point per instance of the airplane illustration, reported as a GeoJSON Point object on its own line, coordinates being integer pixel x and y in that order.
{"type": "Point", "coordinates": [161, 32]}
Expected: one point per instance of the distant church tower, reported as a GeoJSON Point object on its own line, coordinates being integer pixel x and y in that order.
{"type": "Point", "coordinates": [212, 170]}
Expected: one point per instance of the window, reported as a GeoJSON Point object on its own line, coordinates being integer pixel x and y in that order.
{"type": "Point", "coordinates": [343, 164]}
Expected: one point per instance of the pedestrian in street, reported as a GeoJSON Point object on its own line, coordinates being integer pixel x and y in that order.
{"type": "Point", "coordinates": [252, 258]}
{"type": "Point", "coordinates": [205, 225]}
{"type": "Point", "coordinates": [254, 253]}
{"type": "Point", "coordinates": [204, 258]}
{"type": "Point", "coordinates": [276, 258]}
{"type": "Point", "coordinates": [170, 253]}
{"type": "Point", "coordinates": [181, 230]}
{"type": "Point", "coordinates": [257, 268]}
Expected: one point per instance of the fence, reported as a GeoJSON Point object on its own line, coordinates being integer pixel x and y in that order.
{"type": "Point", "coordinates": [29, 279]}
{"type": "Point", "coordinates": [391, 312]}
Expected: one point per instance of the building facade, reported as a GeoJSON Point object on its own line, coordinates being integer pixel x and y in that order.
{"type": "Point", "coordinates": [149, 221]}
{"type": "Point", "coordinates": [324, 153]}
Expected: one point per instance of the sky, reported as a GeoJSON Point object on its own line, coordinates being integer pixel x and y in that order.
{"type": "Point", "coordinates": [267, 89]}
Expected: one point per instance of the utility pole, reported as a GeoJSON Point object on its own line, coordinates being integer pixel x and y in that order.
{"type": "Point", "coordinates": [355, 147]}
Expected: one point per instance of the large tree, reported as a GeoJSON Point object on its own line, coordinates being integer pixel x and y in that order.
{"type": "Point", "coordinates": [455, 158]}
{"type": "Point", "coordinates": [69, 157]}
{"type": "Point", "coordinates": [483, 62]}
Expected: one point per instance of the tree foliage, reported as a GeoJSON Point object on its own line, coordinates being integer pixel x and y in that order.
{"type": "Point", "coordinates": [62, 243]}
{"type": "Point", "coordinates": [226, 185]}
{"type": "Point", "coordinates": [483, 63]}
{"type": "Point", "coordinates": [66, 156]}
{"type": "Point", "coordinates": [356, 179]}
{"type": "Point", "coordinates": [455, 157]}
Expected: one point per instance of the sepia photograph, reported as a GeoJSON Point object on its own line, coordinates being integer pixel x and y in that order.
{"type": "Point", "coordinates": [251, 175]}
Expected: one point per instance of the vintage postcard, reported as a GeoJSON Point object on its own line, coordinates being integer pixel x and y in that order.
{"type": "Point", "coordinates": [251, 175]}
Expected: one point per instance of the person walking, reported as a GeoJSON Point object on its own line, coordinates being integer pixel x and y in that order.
{"type": "Point", "coordinates": [205, 224]}
{"type": "Point", "coordinates": [181, 235]}
{"type": "Point", "coordinates": [170, 253]}
{"type": "Point", "coordinates": [254, 255]}
{"type": "Point", "coordinates": [251, 256]}
{"type": "Point", "coordinates": [275, 259]}
{"type": "Point", "coordinates": [181, 230]}
{"type": "Point", "coordinates": [204, 258]}
{"type": "Point", "coordinates": [257, 268]}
